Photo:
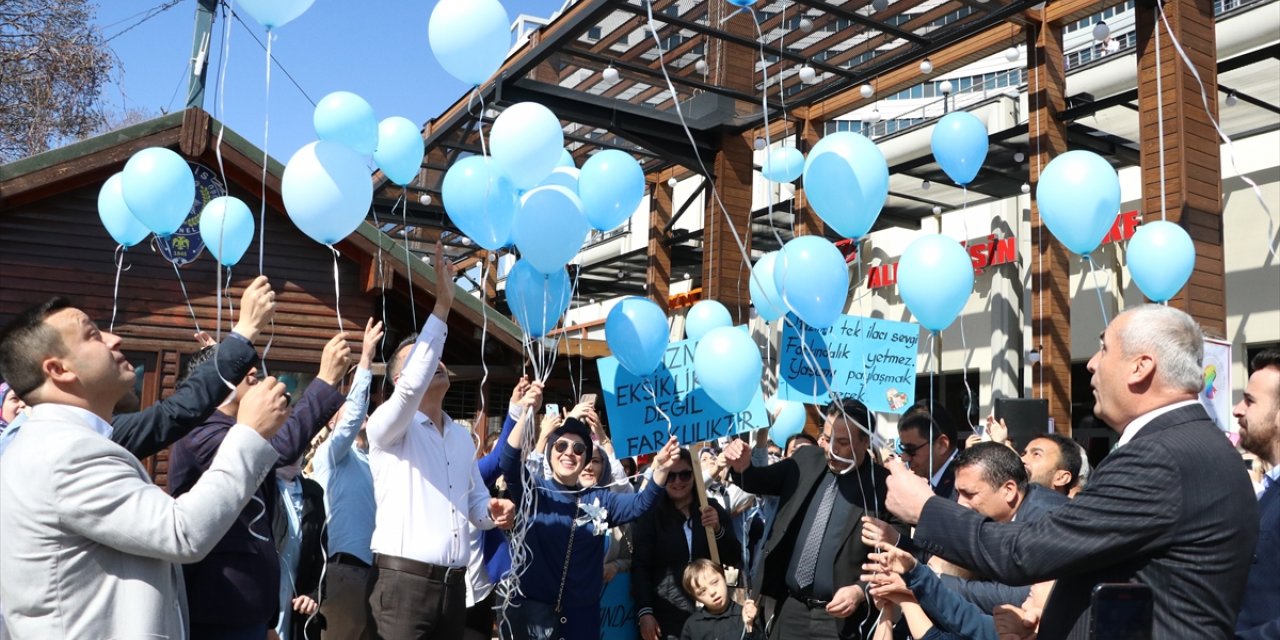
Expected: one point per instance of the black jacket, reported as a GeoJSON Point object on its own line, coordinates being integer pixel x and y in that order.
{"type": "Point", "coordinates": [311, 554]}
{"type": "Point", "coordinates": [660, 554]}
{"type": "Point", "coordinates": [726, 625]}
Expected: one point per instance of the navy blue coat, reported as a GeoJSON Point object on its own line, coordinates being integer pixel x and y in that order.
{"type": "Point", "coordinates": [1260, 615]}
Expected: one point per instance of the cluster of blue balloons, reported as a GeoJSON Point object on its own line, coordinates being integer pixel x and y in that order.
{"type": "Point", "coordinates": [537, 300]}
{"type": "Point", "coordinates": [326, 187]}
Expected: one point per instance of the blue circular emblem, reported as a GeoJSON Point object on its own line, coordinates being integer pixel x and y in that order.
{"type": "Point", "coordinates": [185, 245]}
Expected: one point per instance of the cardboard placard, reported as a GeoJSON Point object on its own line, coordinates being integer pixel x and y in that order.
{"type": "Point", "coordinates": [871, 359]}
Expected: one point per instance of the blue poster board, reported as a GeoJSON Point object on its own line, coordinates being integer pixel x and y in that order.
{"type": "Point", "coordinates": [635, 406]}
{"type": "Point", "coordinates": [617, 611]}
{"type": "Point", "coordinates": [871, 359]}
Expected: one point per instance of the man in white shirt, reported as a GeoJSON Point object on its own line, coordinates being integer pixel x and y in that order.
{"type": "Point", "coordinates": [92, 548]}
{"type": "Point", "coordinates": [428, 491]}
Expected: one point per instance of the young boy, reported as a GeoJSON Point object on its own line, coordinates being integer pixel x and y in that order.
{"type": "Point", "coordinates": [720, 618]}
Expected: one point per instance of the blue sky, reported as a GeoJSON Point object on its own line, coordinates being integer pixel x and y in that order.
{"type": "Point", "coordinates": [375, 48]}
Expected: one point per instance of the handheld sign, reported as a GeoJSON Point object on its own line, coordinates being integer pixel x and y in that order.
{"type": "Point", "coordinates": [617, 611]}
{"type": "Point", "coordinates": [871, 359]}
{"type": "Point", "coordinates": [635, 405]}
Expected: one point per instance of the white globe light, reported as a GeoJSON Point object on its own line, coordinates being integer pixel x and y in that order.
{"type": "Point", "coordinates": [808, 75]}
{"type": "Point", "coordinates": [1011, 54]}
{"type": "Point", "coordinates": [867, 90]}
{"type": "Point", "coordinates": [672, 183]}
{"type": "Point", "coordinates": [1026, 188]}
{"type": "Point", "coordinates": [937, 210]}
{"type": "Point", "coordinates": [879, 5]}
{"type": "Point", "coordinates": [1033, 356]}
{"type": "Point", "coordinates": [1019, 156]}
{"type": "Point", "coordinates": [1232, 99]}
{"type": "Point", "coordinates": [610, 74]}
{"type": "Point", "coordinates": [466, 242]}
{"type": "Point", "coordinates": [1101, 31]}
{"type": "Point", "coordinates": [700, 66]}
{"type": "Point", "coordinates": [425, 199]}
{"type": "Point", "coordinates": [926, 67]}
{"type": "Point", "coordinates": [925, 185]}
{"type": "Point", "coordinates": [874, 116]}
{"type": "Point", "coordinates": [759, 144]}
{"type": "Point", "coordinates": [806, 25]}
{"type": "Point", "coordinates": [945, 87]}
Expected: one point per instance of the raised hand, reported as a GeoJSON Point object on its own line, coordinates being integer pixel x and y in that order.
{"type": "Point", "coordinates": [664, 460]}
{"type": "Point", "coordinates": [517, 393]}
{"type": "Point", "coordinates": [204, 339]}
{"type": "Point", "coordinates": [369, 344]}
{"type": "Point", "coordinates": [907, 492]}
{"type": "Point", "coordinates": [737, 455]}
{"type": "Point", "coordinates": [444, 282]}
{"type": "Point", "coordinates": [335, 359]}
{"type": "Point", "coordinates": [264, 407]}
{"type": "Point", "coordinates": [891, 587]}
{"type": "Point", "coordinates": [710, 518]}
{"type": "Point", "coordinates": [890, 559]}
{"type": "Point", "coordinates": [257, 308]}
{"type": "Point", "coordinates": [876, 532]}
{"type": "Point", "coordinates": [503, 512]}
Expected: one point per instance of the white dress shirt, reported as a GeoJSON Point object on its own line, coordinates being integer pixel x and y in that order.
{"type": "Point", "coordinates": [1143, 420]}
{"type": "Point", "coordinates": [937, 477]}
{"type": "Point", "coordinates": [425, 480]}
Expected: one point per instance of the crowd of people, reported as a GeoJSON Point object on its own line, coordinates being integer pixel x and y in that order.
{"type": "Point", "coordinates": [326, 517]}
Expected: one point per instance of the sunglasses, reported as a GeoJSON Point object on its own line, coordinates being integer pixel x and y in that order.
{"type": "Point", "coordinates": [684, 476]}
{"type": "Point", "coordinates": [908, 450]}
{"type": "Point", "coordinates": [579, 449]}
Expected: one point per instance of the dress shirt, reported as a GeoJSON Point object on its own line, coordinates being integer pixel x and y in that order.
{"type": "Point", "coordinates": [423, 473]}
{"type": "Point", "coordinates": [343, 470]}
{"type": "Point", "coordinates": [1144, 419]}
{"type": "Point", "coordinates": [1269, 480]}
{"type": "Point", "coordinates": [937, 477]}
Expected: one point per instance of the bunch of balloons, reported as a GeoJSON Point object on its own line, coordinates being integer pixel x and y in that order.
{"type": "Point", "coordinates": [808, 277]}
{"type": "Point", "coordinates": [153, 194]}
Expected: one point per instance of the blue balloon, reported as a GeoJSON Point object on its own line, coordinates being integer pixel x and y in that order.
{"type": "Point", "coordinates": [326, 190]}
{"type": "Point", "coordinates": [527, 142]}
{"type": "Point", "coordinates": [159, 188]}
{"type": "Point", "coordinates": [345, 117]}
{"type": "Point", "coordinates": [764, 292]}
{"type": "Point", "coordinates": [400, 150]}
{"type": "Point", "coordinates": [705, 316]}
{"type": "Point", "coordinates": [960, 145]}
{"type": "Point", "coordinates": [742, 3]}
{"type": "Point", "coordinates": [566, 177]}
{"type": "Point", "coordinates": [1161, 257]}
{"type": "Point", "coordinates": [469, 38]}
{"type": "Point", "coordinates": [813, 278]}
{"type": "Point", "coordinates": [550, 229]}
{"type": "Point", "coordinates": [849, 201]}
{"type": "Point", "coordinates": [611, 187]}
{"type": "Point", "coordinates": [226, 227]}
{"type": "Point", "coordinates": [788, 420]}
{"type": "Point", "coordinates": [1078, 195]}
{"type": "Point", "coordinates": [935, 278]}
{"type": "Point", "coordinates": [481, 201]}
{"type": "Point", "coordinates": [124, 228]}
{"type": "Point", "coordinates": [783, 164]}
{"type": "Point", "coordinates": [637, 333]}
{"type": "Point", "coordinates": [537, 300]}
{"type": "Point", "coordinates": [274, 13]}
{"type": "Point", "coordinates": [728, 366]}
{"type": "Point", "coordinates": [566, 160]}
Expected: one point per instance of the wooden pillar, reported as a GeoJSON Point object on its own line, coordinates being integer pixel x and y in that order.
{"type": "Point", "coordinates": [657, 278]}
{"type": "Point", "coordinates": [1191, 163]}
{"type": "Point", "coordinates": [807, 220]}
{"type": "Point", "coordinates": [1050, 271]}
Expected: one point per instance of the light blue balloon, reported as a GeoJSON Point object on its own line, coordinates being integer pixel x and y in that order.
{"type": "Point", "coordinates": [159, 188]}
{"type": "Point", "coordinates": [637, 332]}
{"type": "Point", "coordinates": [326, 190]}
{"type": "Point", "coordinates": [481, 201]}
{"type": "Point", "coordinates": [935, 278]}
{"type": "Point", "coordinates": [274, 13]}
{"type": "Point", "coordinates": [347, 118]}
{"type": "Point", "coordinates": [742, 3]}
{"type": "Point", "coordinates": [124, 228]}
{"type": "Point", "coordinates": [728, 366]}
{"type": "Point", "coordinates": [813, 278]}
{"type": "Point", "coordinates": [788, 420]}
{"type": "Point", "coordinates": [852, 205]}
{"type": "Point", "coordinates": [764, 292]}
{"type": "Point", "coordinates": [1079, 198]}
{"type": "Point", "coordinates": [705, 316]}
{"type": "Point", "coordinates": [226, 227]}
{"type": "Point", "coordinates": [550, 228]}
{"type": "Point", "coordinates": [783, 164]}
{"type": "Point", "coordinates": [1161, 257]}
{"type": "Point", "coordinates": [566, 160]}
{"type": "Point", "coordinates": [611, 187]}
{"type": "Point", "coordinates": [527, 142]}
{"type": "Point", "coordinates": [537, 300]}
{"type": "Point", "coordinates": [566, 177]}
{"type": "Point", "coordinates": [400, 149]}
{"type": "Point", "coordinates": [960, 145]}
{"type": "Point", "coordinates": [470, 38]}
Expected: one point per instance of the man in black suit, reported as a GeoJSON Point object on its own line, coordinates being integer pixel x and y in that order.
{"type": "Point", "coordinates": [1258, 414]}
{"type": "Point", "coordinates": [1171, 507]}
{"type": "Point", "coordinates": [813, 556]}
{"type": "Point", "coordinates": [927, 442]}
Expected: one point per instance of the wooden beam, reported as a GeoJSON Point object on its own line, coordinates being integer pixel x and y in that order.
{"type": "Point", "coordinates": [807, 221]}
{"type": "Point", "coordinates": [658, 273]}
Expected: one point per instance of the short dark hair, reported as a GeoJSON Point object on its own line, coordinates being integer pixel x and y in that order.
{"type": "Point", "coordinates": [1263, 359]}
{"type": "Point", "coordinates": [801, 435]}
{"type": "Point", "coordinates": [999, 464]}
{"type": "Point", "coordinates": [930, 420]}
{"type": "Point", "coordinates": [397, 360]}
{"type": "Point", "coordinates": [26, 341]}
{"type": "Point", "coordinates": [1069, 458]}
{"type": "Point", "coordinates": [198, 358]}
{"type": "Point", "coordinates": [853, 408]}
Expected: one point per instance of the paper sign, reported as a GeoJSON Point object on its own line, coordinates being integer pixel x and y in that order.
{"type": "Point", "coordinates": [870, 359]}
{"type": "Point", "coordinates": [617, 611]}
{"type": "Point", "coordinates": [636, 406]}
{"type": "Point", "coordinates": [1216, 395]}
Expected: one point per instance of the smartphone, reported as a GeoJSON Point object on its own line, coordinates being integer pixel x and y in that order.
{"type": "Point", "coordinates": [1121, 611]}
{"type": "Point", "coordinates": [588, 399]}
{"type": "Point", "coordinates": [553, 409]}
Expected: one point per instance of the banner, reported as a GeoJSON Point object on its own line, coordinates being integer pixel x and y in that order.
{"type": "Point", "coordinates": [635, 406]}
{"type": "Point", "coordinates": [617, 611]}
{"type": "Point", "coordinates": [870, 359]}
{"type": "Point", "coordinates": [1216, 395]}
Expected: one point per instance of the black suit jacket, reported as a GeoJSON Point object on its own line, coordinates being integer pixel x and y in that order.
{"type": "Point", "coordinates": [1260, 615]}
{"type": "Point", "coordinates": [1172, 509]}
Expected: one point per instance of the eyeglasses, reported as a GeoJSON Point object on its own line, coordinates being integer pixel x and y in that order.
{"type": "Point", "coordinates": [683, 476]}
{"type": "Point", "coordinates": [909, 450]}
{"type": "Point", "coordinates": [579, 449]}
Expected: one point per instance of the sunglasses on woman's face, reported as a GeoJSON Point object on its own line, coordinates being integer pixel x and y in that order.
{"type": "Point", "coordinates": [579, 449]}
{"type": "Point", "coordinates": [683, 476]}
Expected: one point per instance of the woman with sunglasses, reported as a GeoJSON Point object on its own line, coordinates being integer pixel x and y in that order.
{"type": "Point", "coordinates": [561, 582]}
{"type": "Point", "coordinates": [666, 540]}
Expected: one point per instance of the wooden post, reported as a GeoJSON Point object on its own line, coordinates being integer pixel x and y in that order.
{"type": "Point", "coordinates": [658, 273]}
{"type": "Point", "coordinates": [701, 486]}
{"type": "Point", "coordinates": [807, 220]}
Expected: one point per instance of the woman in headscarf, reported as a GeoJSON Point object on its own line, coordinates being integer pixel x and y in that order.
{"type": "Point", "coordinates": [10, 405]}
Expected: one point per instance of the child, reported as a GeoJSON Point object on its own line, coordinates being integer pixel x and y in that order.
{"type": "Point", "coordinates": [719, 618]}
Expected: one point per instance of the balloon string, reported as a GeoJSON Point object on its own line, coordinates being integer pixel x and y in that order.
{"type": "Point", "coordinates": [1164, 205]}
{"type": "Point", "coordinates": [408, 266]}
{"type": "Point", "coordinates": [266, 128]}
{"type": "Point", "coordinates": [1231, 152]}
{"type": "Point", "coordinates": [382, 285]}
{"type": "Point", "coordinates": [337, 289]}
{"type": "Point", "coordinates": [115, 294]}
{"type": "Point", "coordinates": [1097, 288]}
{"type": "Point", "coordinates": [484, 334]}
{"type": "Point", "coordinates": [221, 89]}
{"type": "Point", "coordinates": [933, 373]}
{"type": "Point", "coordinates": [671, 429]}
{"type": "Point", "coordinates": [218, 294]}
{"type": "Point", "coordinates": [185, 296]}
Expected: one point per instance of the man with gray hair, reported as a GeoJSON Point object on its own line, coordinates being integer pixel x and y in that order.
{"type": "Point", "coordinates": [1171, 507]}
